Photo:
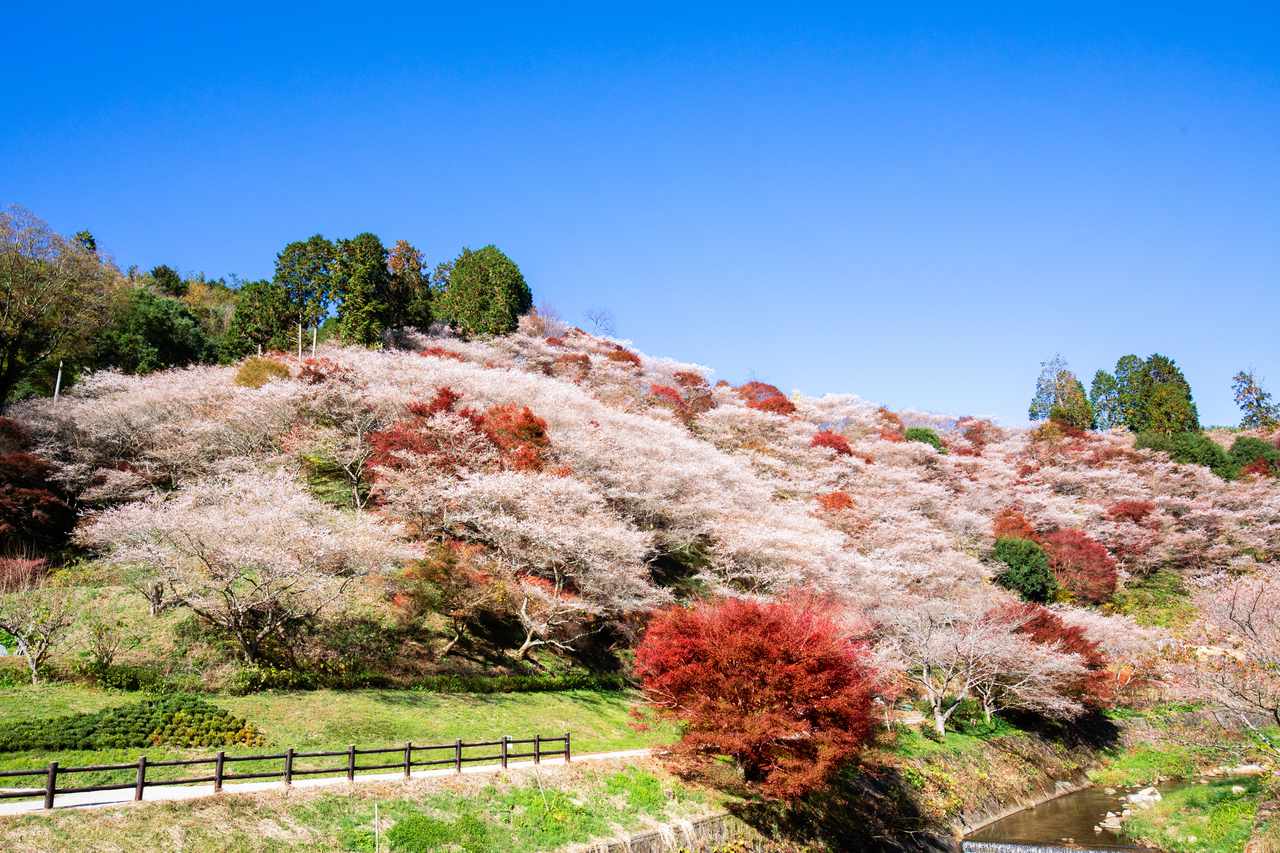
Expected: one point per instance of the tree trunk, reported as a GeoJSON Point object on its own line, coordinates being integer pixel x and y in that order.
{"type": "Point", "coordinates": [939, 722]}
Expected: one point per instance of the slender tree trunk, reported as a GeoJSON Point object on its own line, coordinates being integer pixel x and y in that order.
{"type": "Point", "coordinates": [299, 339]}
{"type": "Point", "coordinates": [314, 332]}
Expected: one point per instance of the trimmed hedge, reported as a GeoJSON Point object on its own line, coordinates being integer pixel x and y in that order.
{"type": "Point", "coordinates": [184, 721]}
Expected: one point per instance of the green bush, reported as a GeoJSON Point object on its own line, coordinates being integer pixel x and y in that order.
{"type": "Point", "coordinates": [258, 371]}
{"type": "Point", "coordinates": [176, 720]}
{"type": "Point", "coordinates": [1027, 569]}
{"type": "Point", "coordinates": [123, 676]}
{"type": "Point", "coordinates": [1246, 450]}
{"type": "Point", "coordinates": [1190, 448]}
{"type": "Point", "coordinates": [486, 293]}
{"type": "Point", "coordinates": [926, 436]}
{"type": "Point", "coordinates": [522, 683]}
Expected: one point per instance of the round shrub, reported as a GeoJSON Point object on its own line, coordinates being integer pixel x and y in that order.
{"type": "Point", "coordinates": [258, 371]}
{"type": "Point", "coordinates": [1026, 569]}
{"type": "Point", "coordinates": [925, 436]}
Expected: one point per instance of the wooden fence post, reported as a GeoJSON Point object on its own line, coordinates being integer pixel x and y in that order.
{"type": "Point", "coordinates": [141, 781]}
{"type": "Point", "coordinates": [217, 771]}
{"type": "Point", "coordinates": [537, 749]}
{"type": "Point", "coordinates": [50, 784]}
{"type": "Point", "coordinates": [457, 755]}
{"type": "Point", "coordinates": [288, 766]}
{"type": "Point", "coordinates": [408, 758]}
{"type": "Point", "coordinates": [503, 755]}
{"type": "Point", "coordinates": [568, 753]}
{"type": "Point", "coordinates": [351, 763]}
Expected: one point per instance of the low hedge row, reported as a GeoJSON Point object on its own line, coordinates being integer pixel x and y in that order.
{"type": "Point", "coordinates": [185, 721]}
{"type": "Point", "coordinates": [522, 683]}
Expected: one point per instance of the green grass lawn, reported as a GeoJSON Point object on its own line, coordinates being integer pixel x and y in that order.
{"type": "Point", "coordinates": [331, 720]}
{"type": "Point", "coordinates": [522, 811]}
{"type": "Point", "coordinates": [1199, 818]}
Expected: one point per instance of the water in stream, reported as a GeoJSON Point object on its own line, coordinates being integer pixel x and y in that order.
{"type": "Point", "coordinates": [1063, 824]}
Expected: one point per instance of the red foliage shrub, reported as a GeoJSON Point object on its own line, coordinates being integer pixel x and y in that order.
{"type": "Point", "coordinates": [833, 440]}
{"type": "Point", "coordinates": [1259, 467]}
{"type": "Point", "coordinates": [835, 501]}
{"type": "Point", "coordinates": [766, 398]}
{"type": "Point", "coordinates": [777, 405]}
{"type": "Point", "coordinates": [978, 434]}
{"type": "Point", "coordinates": [1010, 523]}
{"type": "Point", "coordinates": [441, 352]}
{"type": "Point", "coordinates": [19, 573]}
{"type": "Point", "coordinates": [893, 425]}
{"type": "Point", "coordinates": [689, 379]}
{"type": "Point", "coordinates": [1135, 511]}
{"type": "Point", "coordinates": [577, 360]}
{"type": "Point", "coordinates": [622, 355]}
{"type": "Point", "coordinates": [317, 370]}
{"type": "Point", "coordinates": [778, 686]}
{"type": "Point", "coordinates": [667, 394]}
{"type": "Point", "coordinates": [520, 436]}
{"type": "Point", "coordinates": [444, 401]}
{"type": "Point", "coordinates": [555, 342]}
{"type": "Point", "coordinates": [1082, 565]}
{"type": "Point", "coordinates": [33, 513]}
{"type": "Point", "coordinates": [1041, 625]}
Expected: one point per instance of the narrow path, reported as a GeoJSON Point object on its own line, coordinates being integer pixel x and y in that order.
{"type": "Point", "coordinates": [94, 799]}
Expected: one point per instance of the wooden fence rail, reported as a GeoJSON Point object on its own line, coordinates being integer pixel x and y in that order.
{"type": "Point", "coordinates": [405, 760]}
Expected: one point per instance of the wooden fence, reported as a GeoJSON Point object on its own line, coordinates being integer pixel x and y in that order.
{"type": "Point", "coordinates": [405, 754]}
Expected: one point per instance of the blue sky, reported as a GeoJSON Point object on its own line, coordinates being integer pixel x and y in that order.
{"type": "Point", "coordinates": [917, 206]}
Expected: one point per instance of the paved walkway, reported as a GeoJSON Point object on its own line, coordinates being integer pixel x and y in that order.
{"type": "Point", "coordinates": [94, 799]}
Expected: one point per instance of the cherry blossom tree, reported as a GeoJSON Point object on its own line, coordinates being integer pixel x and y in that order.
{"type": "Point", "coordinates": [250, 554]}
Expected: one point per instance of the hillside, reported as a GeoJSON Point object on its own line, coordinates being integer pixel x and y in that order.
{"type": "Point", "coordinates": [605, 482]}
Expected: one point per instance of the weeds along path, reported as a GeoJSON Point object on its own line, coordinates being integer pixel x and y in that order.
{"type": "Point", "coordinates": [98, 799]}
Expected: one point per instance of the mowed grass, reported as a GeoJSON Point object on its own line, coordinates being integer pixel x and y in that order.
{"type": "Point", "coordinates": [522, 811]}
{"type": "Point", "coordinates": [328, 720]}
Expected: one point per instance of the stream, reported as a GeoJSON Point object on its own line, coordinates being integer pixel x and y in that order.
{"type": "Point", "coordinates": [1062, 824]}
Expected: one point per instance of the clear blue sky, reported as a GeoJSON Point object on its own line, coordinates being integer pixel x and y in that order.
{"type": "Point", "coordinates": [915, 206]}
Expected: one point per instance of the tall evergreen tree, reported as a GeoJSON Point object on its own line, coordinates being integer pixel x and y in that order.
{"type": "Point", "coordinates": [409, 291]}
{"type": "Point", "coordinates": [486, 293]}
{"type": "Point", "coordinates": [168, 281]}
{"type": "Point", "coordinates": [1104, 396]}
{"type": "Point", "coordinates": [305, 269]}
{"type": "Point", "coordinates": [1129, 369]}
{"type": "Point", "coordinates": [361, 282]}
{"type": "Point", "coordinates": [263, 318]}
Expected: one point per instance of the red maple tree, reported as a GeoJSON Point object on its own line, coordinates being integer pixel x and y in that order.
{"type": "Point", "coordinates": [1082, 565]}
{"type": "Point", "coordinates": [779, 686]}
{"type": "Point", "coordinates": [1096, 688]}
{"type": "Point", "coordinates": [833, 440]}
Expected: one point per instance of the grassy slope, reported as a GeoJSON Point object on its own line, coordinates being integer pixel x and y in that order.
{"type": "Point", "coordinates": [516, 812]}
{"type": "Point", "coordinates": [328, 720]}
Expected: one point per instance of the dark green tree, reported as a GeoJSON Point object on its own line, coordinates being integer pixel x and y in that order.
{"type": "Point", "coordinates": [409, 288]}
{"type": "Point", "coordinates": [1026, 570]}
{"type": "Point", "coordinates": [168, 281]}
{"type": "Point", "coordinates": [87, 241]}
{"type": "Point", "coordinates": [1254, 402]}
{"type": "Point", "coordinates": [1104, 396]}
{"type": "Point", "coordinates": [147, 332]}
{"type": "Point", "coordinates": [1129, 371]}
{"type": "Point", "coordinates": [361, 283]}
{"type": "Point", "coordinates": [1166, 398]}
{"type": "Point", "coordinates": [486, 293]}
{"type": "Point", "coordinates": [53, 294]}
{"type": "Point", "coordinates": [263, 318]}
{"type": "Point", "coordinates": [304, 268]}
